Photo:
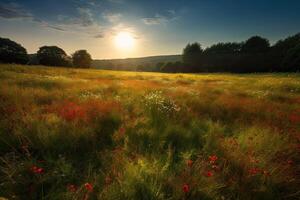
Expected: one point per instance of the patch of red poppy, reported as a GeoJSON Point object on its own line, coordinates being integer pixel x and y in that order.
{"type": "Point", "coordinates": [122, 131]}
{"type": "Point", "coordinates": [253, 171]}
{"type": "Point", "coordinates": [294, 118]}
{"type": "Point", "coordinates": [185, 188]}
{"type": "Point", "coordinates": [189, 163]}
{"type": "Point", "coordinates": [212, 159]}
{"type": "Point", "coordinates": [290, 162]}
{"type": "Point", "coordinates": [71, 111]}
{"type": "Point", "coordinates": [37, 170]}
{"type": "Point", "coordinates": [89, 187]}
{"type": "Point", "coordinates": [209, 174]}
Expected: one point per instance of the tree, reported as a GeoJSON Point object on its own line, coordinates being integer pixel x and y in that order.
{"type": "Point", "coordinates": [224, 48]}
{"type": "Point", "coordinates": [256, 45]}
{"type": "Point", "coordinates": [191, 55]}
{"type": "Point", "coordinates": [12, 52]}
{"type": "Point", "coordinates": [291, 61]}
{"type": "Point", "coordinates": [82, 58]}
{"type": "Point", "coordinates": [283, 48]}
{"type": "Point", "coordinates": [53, 56]}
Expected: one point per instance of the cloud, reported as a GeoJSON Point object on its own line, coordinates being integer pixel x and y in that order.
{"type": "Point", "coordinates": [16, 11]}
{"type": "Point", "coordinates": [168, 16]}
{"type": "Point", "coordinates": [116, 1]}
{"type": "Point", "coordinates": [83, 22]}
{"type": "Point", "coordinates": [84, 18]}
{"type": "Point", "coordinates": [112, 17]}
{"type": "Point", "coordinates": [13, 11]}
{"type": "Point", "coordinates": [154, 20]}
{"type": "Point", "coordinates": [100, 35]}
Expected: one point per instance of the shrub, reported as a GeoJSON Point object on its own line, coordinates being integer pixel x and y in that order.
{"type": "Point", "coordinates": [12, 52]}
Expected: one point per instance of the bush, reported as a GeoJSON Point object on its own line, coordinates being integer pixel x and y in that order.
{"type": "Point", "coordinates": [12, 52]}
{"type": "Point", "coordinates": [82, 59]}
{"type": "Point", "coordinates": [53, 56]}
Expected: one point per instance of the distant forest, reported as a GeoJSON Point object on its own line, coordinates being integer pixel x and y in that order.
{"type": "Point", "coordinates": [253, 55]}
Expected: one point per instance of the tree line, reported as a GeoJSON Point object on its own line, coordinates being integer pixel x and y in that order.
{"type": "Point", "coordinates": [12, 52]}
{"type": "Point", "coordinates": [253, 55]}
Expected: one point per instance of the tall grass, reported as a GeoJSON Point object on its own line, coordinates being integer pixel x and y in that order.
{"type": "Point", "coordinates": [91, 134]}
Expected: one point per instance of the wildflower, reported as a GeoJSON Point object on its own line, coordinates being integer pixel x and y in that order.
{"type": "Point", "coordinates": [294, 118]}
{"type": "Point", "coordinates": [122, 131]}
{"type": "Point", "coordinates": [71, 111]}
{"type": "Point", "coordinates": [88, 186]}
{"type": "Point", "coordinates": [209, 174]}
{"type": "Point", "coordinates": [213, 158]}
{"type": "Point", "coordinates": [189, 163]}
{"type": "Point", "coordinates": [266, 173]}
{"type": "Point", "coordinates": [290, 162]}
{"type": "Point", "coordinates": [186, 188]}
{"type": "Point", "coordinates": [37, 170]}
{"type": "Point", "coordinates": [215, 167]}
{"type": "Point", "coordinates": [253, 171]}
{"type": "Point", "coordinates": [72, 188]}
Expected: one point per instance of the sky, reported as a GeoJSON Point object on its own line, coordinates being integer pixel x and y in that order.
{"type": "Point", "coordinates": [155, 27]}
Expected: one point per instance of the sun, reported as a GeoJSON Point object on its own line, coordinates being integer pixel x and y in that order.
{"type": "Point", "coordinates": [124, 40]}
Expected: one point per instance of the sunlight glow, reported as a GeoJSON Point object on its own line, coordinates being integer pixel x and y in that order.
{"type": "Point", "coordinates": [124, 41]}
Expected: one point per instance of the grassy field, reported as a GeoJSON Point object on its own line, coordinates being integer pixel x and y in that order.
{"type": "Point", "coordinates": [92, 134]}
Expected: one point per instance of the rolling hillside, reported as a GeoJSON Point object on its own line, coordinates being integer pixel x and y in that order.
{"type": "Point", "coordinates": [134, 64]}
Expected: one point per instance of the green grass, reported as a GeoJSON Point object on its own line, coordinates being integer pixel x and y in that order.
{"type": "Point", "coordinates": [144, 136]}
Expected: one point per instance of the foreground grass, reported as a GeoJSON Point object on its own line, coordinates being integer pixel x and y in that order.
{"type": "Point", "coordinates": [91, 134]}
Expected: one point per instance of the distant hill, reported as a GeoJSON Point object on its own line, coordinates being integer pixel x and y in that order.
{"type": "Point", "coordinates": [135, 64]}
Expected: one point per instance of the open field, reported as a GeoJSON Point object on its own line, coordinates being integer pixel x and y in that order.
{"type": "Point", "coordinates": [92, 134]}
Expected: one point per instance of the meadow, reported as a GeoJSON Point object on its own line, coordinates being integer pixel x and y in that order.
{"type": "Point", "coordinates": [94, 134]}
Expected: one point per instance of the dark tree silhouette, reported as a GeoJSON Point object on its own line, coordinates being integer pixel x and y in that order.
{"type": "Point", "coordinates": [281, 53]}
{"type": "Point", "coordinates": [192, 55]}
{"type": "Point", "coordinates": [172, 67]}
{"type": "Point", "coordinates": [53, 56]}
{"type": "Point", "coordinates": [82, 58]}
{"type": "Point", "coordinates": [291, 61]}
{"type": "Point", "coordinates": [224, 48]}
{"type": "Point", "coordinates": [256, 45]}
{"type": "Point", "coordinates": [12, 52]}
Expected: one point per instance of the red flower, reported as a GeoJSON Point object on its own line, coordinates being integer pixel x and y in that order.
{"type": "Point", "coordinates": [290, 162]}
{"type": "Point", "coordinates": [122, 131]}
{"type": "Point", "coordinates": [71, 111]}
{"type": "Point", "coordinates": [88, 186]}
{"type": "Point", "coordinates": [72, 188]}
{"type": "Point", "coordinates": [209, 174]}
{"type": "Point", "coordinates": [189, 163]}
{"type": "Point", "coordinates": [213, 158]}
{"type": "Point", "coordinates": [295, 118]}
{"type": "Point", "coordinates": [253, 171]}
{"type": "Point", "coordinates": [37, 170]}
{"type": "Point", "coordinates": [185, 188]}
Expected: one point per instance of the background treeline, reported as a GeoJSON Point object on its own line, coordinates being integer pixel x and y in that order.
{"type": "Point", "coordinates": [253, 55]}
{"type": "Point", "coordinates": [12, 52]}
